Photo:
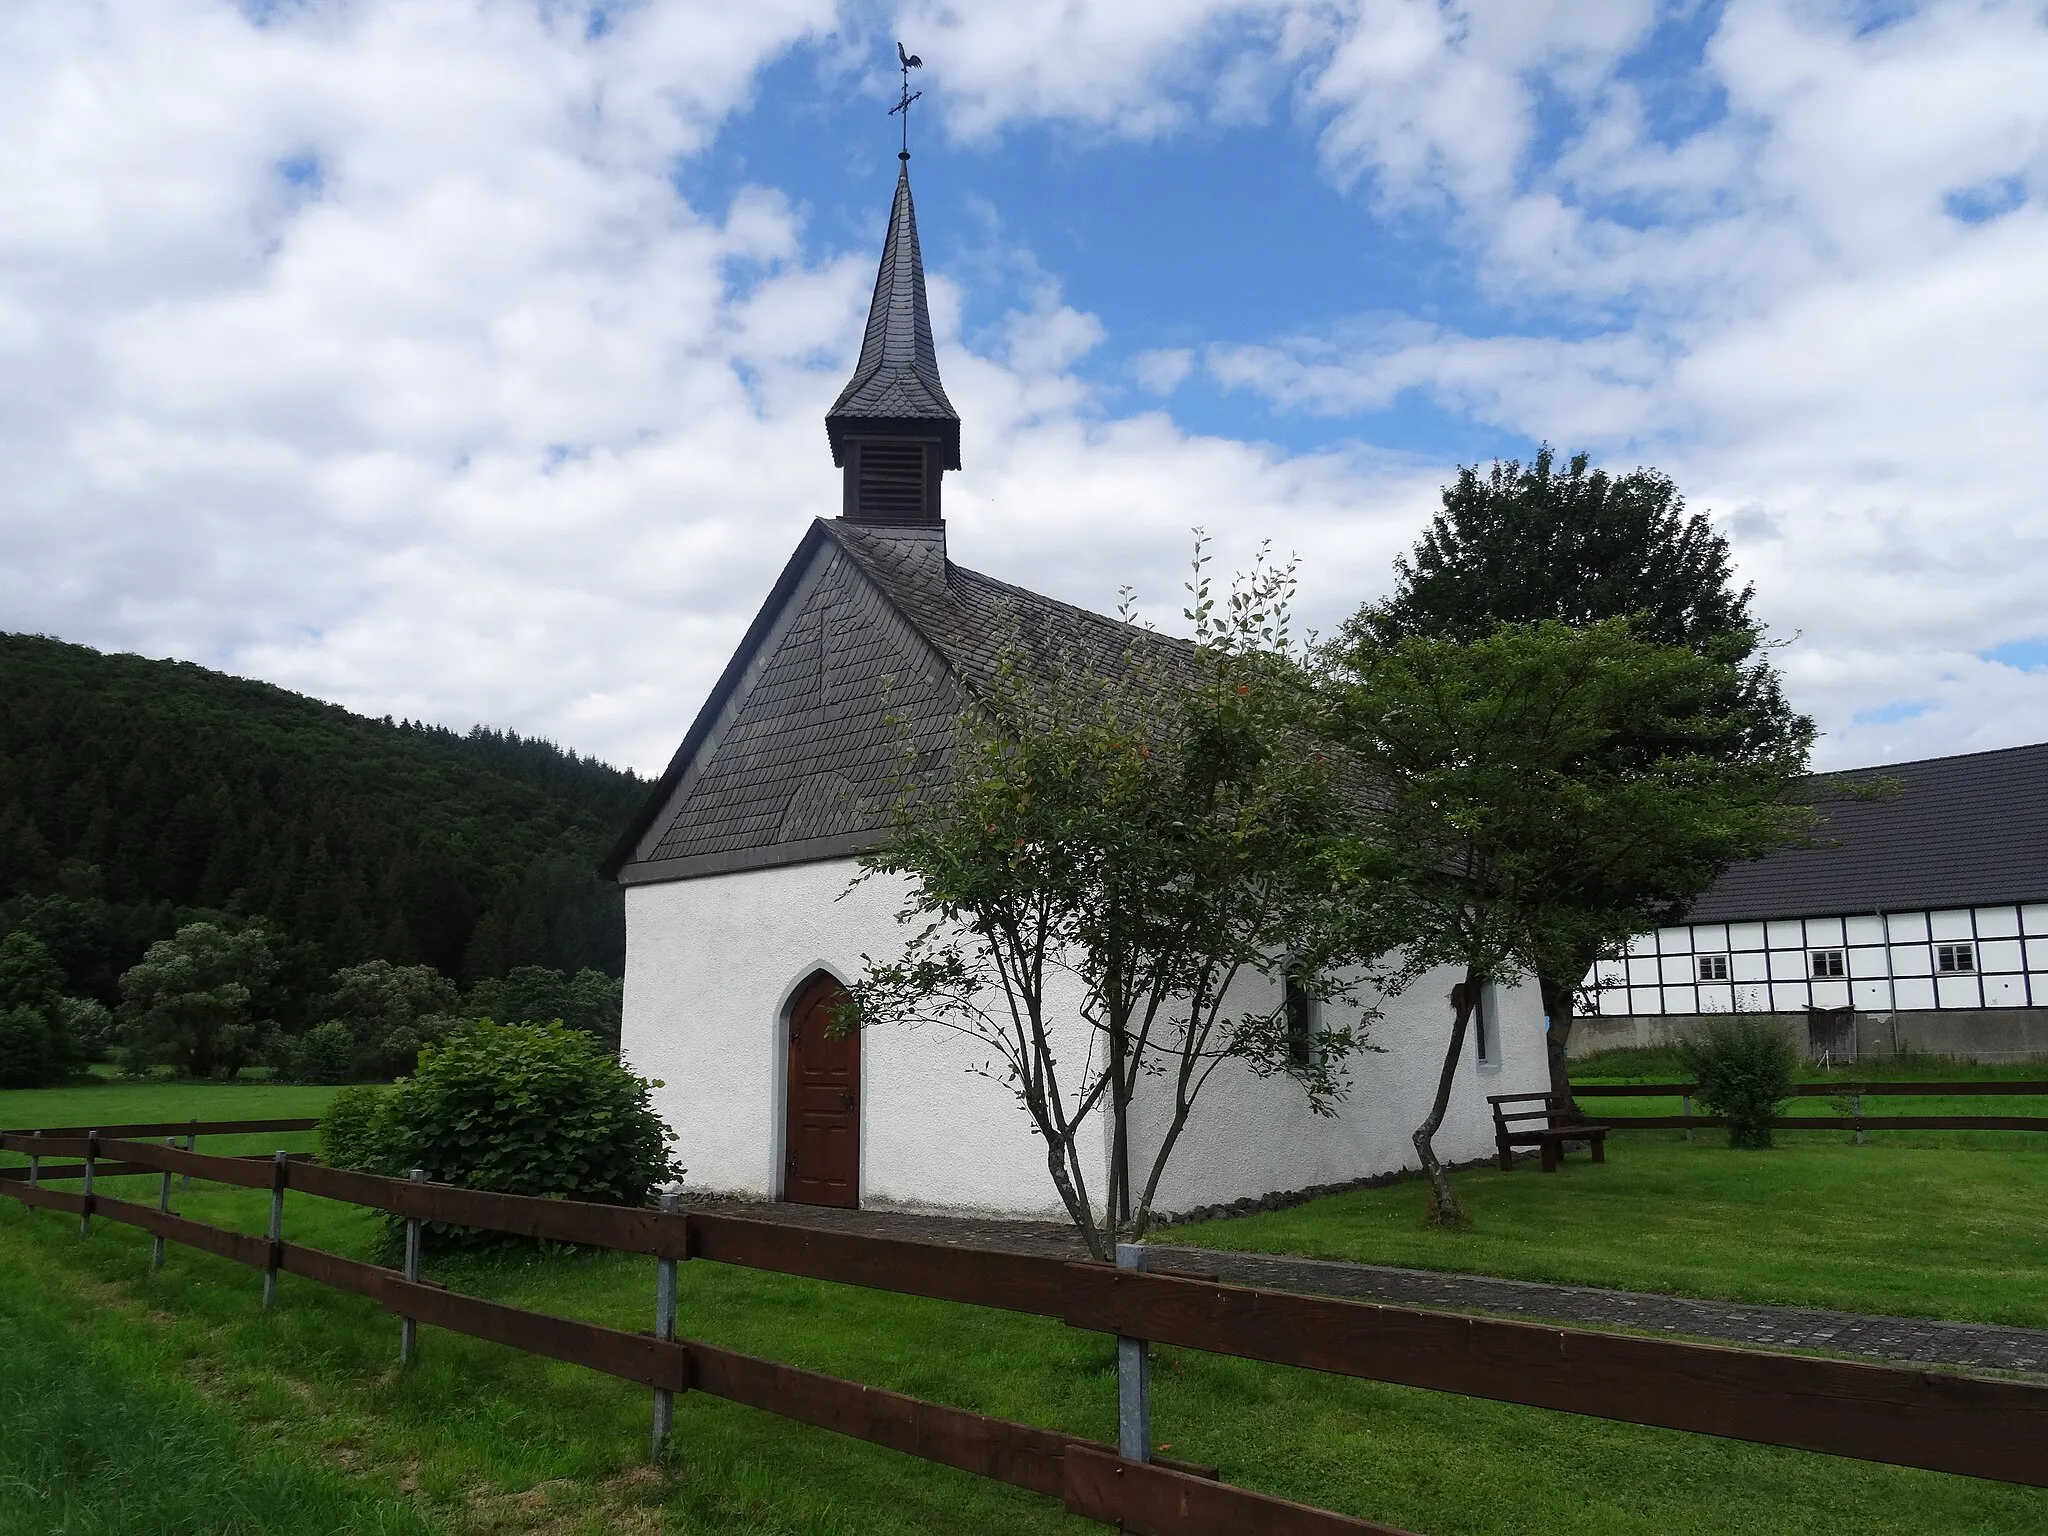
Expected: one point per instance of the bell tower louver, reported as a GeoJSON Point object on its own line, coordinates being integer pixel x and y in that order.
{"type": "Point", "coordinates": [892, 429]}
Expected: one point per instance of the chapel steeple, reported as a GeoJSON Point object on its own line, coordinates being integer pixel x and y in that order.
{"type": "Point", "coordinates": [893, 431]}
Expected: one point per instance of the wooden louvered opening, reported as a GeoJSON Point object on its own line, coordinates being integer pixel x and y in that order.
{"type": "Point", "coordinates": [891, 484]}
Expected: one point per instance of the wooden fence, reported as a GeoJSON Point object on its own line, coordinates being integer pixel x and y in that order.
{"type": "Point", "coordinates": [1855, 1121]}
{"type": "Point", "coordinates": [1950, 1423]}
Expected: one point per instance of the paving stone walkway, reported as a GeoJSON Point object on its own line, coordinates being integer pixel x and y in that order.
{"type": "Point", "coordinates": [1899, 1339]}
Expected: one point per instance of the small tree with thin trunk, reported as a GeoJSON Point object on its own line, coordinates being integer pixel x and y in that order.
{"type": "Point", "coordinates": [1127, 827]}
{"type": "Point", "coordinates": [1496, 780]}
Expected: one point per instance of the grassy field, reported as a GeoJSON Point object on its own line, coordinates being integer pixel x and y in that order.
{"type": "Point", "coordinates": [1923, 1231]}
{"type": "Point", "coordinates": [107, 1439]}
{"type": "Point", "coordinates": [482, 1438]}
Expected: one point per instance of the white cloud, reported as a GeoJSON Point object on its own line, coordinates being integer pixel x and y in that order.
{"type": "Point", "coordinates": [371, 349]}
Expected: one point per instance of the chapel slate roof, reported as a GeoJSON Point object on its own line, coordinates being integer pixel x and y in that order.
{"type": "Point", "coordinates": [870, 641]}
{"type": "Point", "coordinates": [896, 380]}
{"type": "Point", "coordinates": [1966, 831]}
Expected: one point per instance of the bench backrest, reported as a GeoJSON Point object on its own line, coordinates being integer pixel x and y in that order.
{"type": "Point", "coordinates": [1545, 1111]}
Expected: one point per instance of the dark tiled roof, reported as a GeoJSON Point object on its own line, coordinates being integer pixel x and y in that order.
{"type": "Point", "coordinates": [897, 377]}
{"type": "Point", "coordinates": [870, 642]}
{"type": "Point", "coordinates": [1966, 831]}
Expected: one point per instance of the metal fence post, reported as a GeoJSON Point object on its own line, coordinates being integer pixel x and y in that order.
{"type": "Point", "coordinates": [1686, 1100]}
{"type": "Point", "coordinates": [277, 1178]}
{"type": "Point", "coordinates": [665, 1326]}
{"type": "Point", "coordinates": [1856, 1108]}
{"type": "Point", "coordinates": [92, 1147]}
{"type": "Point", "coordinates": [35, 1161]}
{"type": "Point", "coordinates": [191, 1145]}
{"type": "Point", "coordinates": [409, 1328]}
{"type": "Point", "coordinates": [163, 1203]}
{"type": "Point", "coordinates": [1133, 1378]}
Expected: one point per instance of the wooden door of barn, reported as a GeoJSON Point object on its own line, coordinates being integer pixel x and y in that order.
{"type": "Point", "coordinates": [822, 1116]}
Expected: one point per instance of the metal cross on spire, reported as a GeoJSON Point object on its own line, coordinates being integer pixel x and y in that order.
{"type": "Point", "coordinates": [909, 61]}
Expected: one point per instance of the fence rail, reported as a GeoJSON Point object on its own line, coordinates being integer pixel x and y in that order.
{"type": "Point", "coordinates": [1952, 1423]}
{"type": "Point", "coordinates": [1855, 1122]}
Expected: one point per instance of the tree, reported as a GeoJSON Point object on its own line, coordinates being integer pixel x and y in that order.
{"type": "Point", "coordinates": [390, 1011]}
{"type": "Point", "coordinates": [1495, 778]}
{"type": "Point", "coordinates": [590, 1000]}
{"type": "Point", "coordinates": [187, 1001]}
{"type": "Point", "coordinates": [1127, 825]}
{"type": "Point", "coordinates": [35, 1047]}
{"type": "Point", "coordinates": [1521, 544]}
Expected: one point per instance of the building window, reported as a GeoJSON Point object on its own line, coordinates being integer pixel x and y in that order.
{"type": "Point", "coordinates": [1301, 1018]}
{"type": "Point", "coordinates": [1830, 962]}
{"type": "Point", "coordinates": [1713, 967]}
{"type": "Point", "coordinates": [1485, 1037]}
{"type": "Point", "coordinates": [1955, 959]}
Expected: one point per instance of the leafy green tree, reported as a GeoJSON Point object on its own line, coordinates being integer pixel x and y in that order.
{"type": "Point", "coordinates": [35, 1047]}
{"type": "Point", "coordinates": [590, 1000]}
{"type": "Point", "coordinates": [522, 1109]}
{"type": "Point", "coordinates": [187, 1001]}
{"type": "Point", "coordinates": [1116, 840]}
{"type": "Point", "coordinates": [1495, 778]}
{"type": "Point", "coordinates": [390, 1011]}
{"type": "Point", "coordinates": [1521, 544]}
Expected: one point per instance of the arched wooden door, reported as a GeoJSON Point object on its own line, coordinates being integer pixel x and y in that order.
{"type": "Point", "coordinates": [822, 1117]}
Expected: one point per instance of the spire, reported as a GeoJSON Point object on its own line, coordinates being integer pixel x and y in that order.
{"type": "Point", "coordinates": [896, 382]}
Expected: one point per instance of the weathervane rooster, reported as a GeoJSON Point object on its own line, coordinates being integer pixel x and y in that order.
{"type": "Point", "coordinates": [909, 61]}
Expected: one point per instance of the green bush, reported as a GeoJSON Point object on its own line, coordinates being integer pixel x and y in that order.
{"type": "Point", "coordinates": [326, 1053]}
{"type": "Point", "coordinates": [1744, 1069]}
{"type": "Point", "coordinates": [522, 1109]}
{"type": "Point", "coordinates": [353, 1129]}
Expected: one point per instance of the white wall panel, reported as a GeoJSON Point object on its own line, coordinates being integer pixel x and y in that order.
{"type": "Point", "coordinates": [1956, 991]}
{"type": "Point", "coordinates": [1999, 955]}
{"type": "Point", "coordinates": [1907, 927]}
{"type": "Point", "coordinates": [1914, 991]}
{"type": "Point", "coordinates": [1950, 925]}
{"type": "Point", "coordinates": [1865, 930]}
{"type": "Point", "coordinates": [1998, 922]}
{"type": "Point", "coordinates": [2005, 991]}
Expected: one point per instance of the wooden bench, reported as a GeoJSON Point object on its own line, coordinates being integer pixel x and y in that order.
{"type": "Point", "coordinates": [1549, 1137]}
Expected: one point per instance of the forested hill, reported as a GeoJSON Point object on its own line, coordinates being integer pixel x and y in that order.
{"type": "Point", "coordinates": [144, 789]}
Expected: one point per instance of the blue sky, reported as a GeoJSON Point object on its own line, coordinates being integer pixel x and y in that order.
{"type": "Point", "coordinates": [466, 362]}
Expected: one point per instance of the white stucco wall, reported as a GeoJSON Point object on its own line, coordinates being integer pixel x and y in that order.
{"type": "Point", "coordinates": [712, 964]}
{"type": "Point", "coordinates": [1253, 1136]}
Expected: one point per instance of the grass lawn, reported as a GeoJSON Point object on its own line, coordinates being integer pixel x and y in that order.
{"type": "Point", "coordinates": [124, 1101]}
{"type": "Point", "coordinates": [488, 1439]}
{"type": "Point", "coordinates": [1897, 1226]}
{"type": "Point", "coordinates": [102, 1437]}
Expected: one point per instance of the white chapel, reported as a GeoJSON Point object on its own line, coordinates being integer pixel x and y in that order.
{"type": "Point", "coordinates": [743, 921]}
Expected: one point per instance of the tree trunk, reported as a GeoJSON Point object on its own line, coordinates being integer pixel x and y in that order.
{"type": "Point", "coordinates": [1558, 998]}
{"type": "Point", "coordinates": [1444, 1209]}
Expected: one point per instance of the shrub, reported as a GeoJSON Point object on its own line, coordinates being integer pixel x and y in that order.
{"type": "Point", "coordinates": [1744, 1068]}
{"type": "Point", "coordinates": [356, 1128]}
{"type": "Point", "coordinates": [326, 1053]}
{"type": "Point", "coordinates": [522, 1109]}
